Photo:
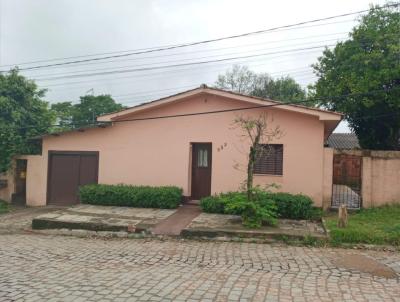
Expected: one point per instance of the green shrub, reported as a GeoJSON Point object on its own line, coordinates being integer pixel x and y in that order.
{"type": "Point", "coordinates": [287, 205]}
{"type": "Point", "coordinates": [167, 197]}
{"type": "Point", "coordinates": [213, 204]}
{"type": "Point", "coordinates": [293, 206]}
{"type": "Point", "coordinates": [254, 214]}
{"type": "Point", "coordinates": [4, 206]}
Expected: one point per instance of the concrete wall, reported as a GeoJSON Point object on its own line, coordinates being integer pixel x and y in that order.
{"type": "Point", "coordinates": [36, 180]}
{"type": "Point", "coordinates": [157, 152]}
{"type": "Point", "coordinates": [380, 176]}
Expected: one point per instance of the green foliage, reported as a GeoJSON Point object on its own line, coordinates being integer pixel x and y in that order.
{"type": "Point", "coordinates": [254, 213]}
{"type": "Point", "coordinates": [284, 89]}
{"type": "Point", "coordinates": [4, 207]}
{"type": "Point", "coordinates": [167, 197]}
{"type": "Point", "coordinates": [85, 112]}
{"type": "Point", "coordinates": [316, 214]}
{"type": "Point", "coordinates": [293, 206]}
{"type": "Point", "coordinates": [23, 115]}
{"type": "Point", "coordinates": [368, 226]}
{"type": "Point", "coordinates": [366, 67]}
{"type": "Point", "coordinates": [242, 80]}
{"type": "Point", "coordinates": [214, 204]}
{"type": "Point", "coordinates": [286, 205]}
{"type": "Point", "coordinates": [92, 106]}
{"type": "Point", "coordinates": [64, 112]}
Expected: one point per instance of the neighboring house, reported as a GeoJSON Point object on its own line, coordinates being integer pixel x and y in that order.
{"type": "Point", "coordinates": [343, 141]}
{"type": "Point", "coordinates": [170, 142]}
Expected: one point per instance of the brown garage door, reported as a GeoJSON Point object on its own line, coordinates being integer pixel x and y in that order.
{"type": "Point", "coordinates": [68, 171]}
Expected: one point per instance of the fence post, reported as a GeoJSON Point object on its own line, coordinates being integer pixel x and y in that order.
{"type": "Point", "coordinates": [327, 179]}
{"type": "Point", "coordinates": [366, 182]}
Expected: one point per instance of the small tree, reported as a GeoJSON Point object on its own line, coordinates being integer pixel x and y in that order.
{"type": "Point", "coordinates": [256, 130]}
{"type": "Point", "coordinates": [258, 133]}
{"type": "Point", "coordinates": [255, 207]}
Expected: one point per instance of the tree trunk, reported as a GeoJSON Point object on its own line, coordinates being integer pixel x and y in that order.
{"type": "Point", "coordinates": [252, 159]}
{"type": "Point", "coordinates": [250, 170]}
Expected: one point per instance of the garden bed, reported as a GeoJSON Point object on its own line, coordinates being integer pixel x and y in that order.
{"type": "Point", "coordinates": [229, 227]}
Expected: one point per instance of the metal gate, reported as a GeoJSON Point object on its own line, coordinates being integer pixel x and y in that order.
{"type": "Point", "coordinates": [346, 187]}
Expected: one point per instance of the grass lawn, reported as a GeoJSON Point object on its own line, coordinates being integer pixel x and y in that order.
{"type": "Point", "coordinates": [371, 226]}
{"type": "Point", "coordinates": [3, 207]}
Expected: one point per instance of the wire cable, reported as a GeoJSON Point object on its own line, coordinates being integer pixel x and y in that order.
{"type": "Point", "coordinates": [212, 40]}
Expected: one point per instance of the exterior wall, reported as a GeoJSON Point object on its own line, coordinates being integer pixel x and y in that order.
{"type": "Point", "coordinates": [157, 152]}
{"type": "Point", "coordinates": [380, 176]}
{"type": "Point", "coordinates": [36, 180]}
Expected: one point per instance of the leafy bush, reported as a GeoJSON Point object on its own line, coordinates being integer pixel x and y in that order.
{"type": "Point", "coordinates": [167, 197]}
{"type": "Point", "coordinates": [4, 207]}
{"type": "Point", "coordinates": [261, 211]}
{"type": "Point", "coordinates": [287, 205]}
{"type": "Point", "coordinates": [254, 213]}
{"type": "Point", "coordinates": [293, 206]}
{"type": "Point", "coordinates": [213, 204]}
{"type": "Point", "coordinates": [218, 203]}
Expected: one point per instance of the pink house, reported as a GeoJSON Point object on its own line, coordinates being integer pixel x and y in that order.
{"type": "Point", "coordinates": [186, 140]}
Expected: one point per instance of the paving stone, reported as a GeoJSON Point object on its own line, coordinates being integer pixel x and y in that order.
{"type": "Point", "coordinates": [60, 268]}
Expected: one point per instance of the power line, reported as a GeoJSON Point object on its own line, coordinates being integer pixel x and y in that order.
{"type": "Point", "coordinates": [109, 70]}
{"type": "Point", "coordinates": [148, 94]}
{"type": "Point", "coordinates": [179, 65]}
{"type": "Point", "coordinates": [149, 64]}
{"type": "Point", "coordinates": [203, 50]}
{"type": "Point", "coordinates": [210, 40]}
{"type": "Point", "coordinates": [57, 59]}
{"type": "Point", "coordinates": [211, 50]}
{"type": "Point", "coordinates": [216, 67]}
{"type": "Point", "coordinates": [277, 104]}
{"type": "Point", "coordinates": [182, 60]}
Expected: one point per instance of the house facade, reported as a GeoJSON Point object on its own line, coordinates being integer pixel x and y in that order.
{"type": "Point", "coordinates": [187, 140]}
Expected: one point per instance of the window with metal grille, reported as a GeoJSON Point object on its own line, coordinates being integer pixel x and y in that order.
{"type": "Point", "coordinates": [270, 160]}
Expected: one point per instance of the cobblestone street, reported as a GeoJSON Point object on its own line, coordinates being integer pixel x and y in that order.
{"type": "Point", "coordinates": [56, 268]}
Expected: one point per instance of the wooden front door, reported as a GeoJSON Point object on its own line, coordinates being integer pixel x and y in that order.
{"type": "Point", "coordinates": [67, 172]}
{"type": "Point", "coordinates": [201, 170]}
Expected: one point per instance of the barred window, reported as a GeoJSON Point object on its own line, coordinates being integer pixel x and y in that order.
{"type": "Point", "coordinates": [270, 160]}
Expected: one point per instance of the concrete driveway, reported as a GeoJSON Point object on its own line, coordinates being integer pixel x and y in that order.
{"type": "Point", "coordinates": [19, 219]}
{"type": "Point", "coordinates": [58, 268]}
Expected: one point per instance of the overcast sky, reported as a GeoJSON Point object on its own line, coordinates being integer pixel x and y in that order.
{"type": "Point", "coordinates": [43, 30]}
